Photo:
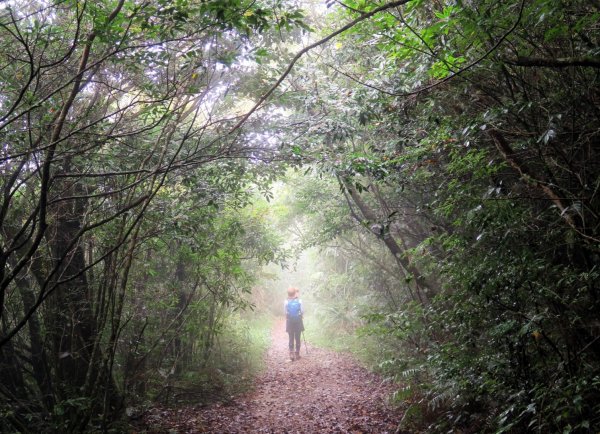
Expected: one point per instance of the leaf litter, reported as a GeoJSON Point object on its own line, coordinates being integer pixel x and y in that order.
{"type": "Point", "coordinates": [322, 392]}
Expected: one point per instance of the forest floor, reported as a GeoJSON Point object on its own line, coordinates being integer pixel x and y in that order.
{"type": "Point", "coordinates": [322, 392]}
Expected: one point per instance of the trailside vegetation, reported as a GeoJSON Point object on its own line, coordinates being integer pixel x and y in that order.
{"type": "Point", "coordinates": [124, 243]}
{"type": "Point", "coordinates": [457, 150]}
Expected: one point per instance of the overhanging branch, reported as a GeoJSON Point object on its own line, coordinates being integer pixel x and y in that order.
{"type": "Point", "coordinates": [565, 62]}
{"type": "Point", "coordinates": [306, 49]}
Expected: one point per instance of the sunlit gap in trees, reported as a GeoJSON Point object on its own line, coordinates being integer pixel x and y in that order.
{"type": "Point", "coordinates": [21, 10]}
{"type": "Point", "coordinates": [264, 146]}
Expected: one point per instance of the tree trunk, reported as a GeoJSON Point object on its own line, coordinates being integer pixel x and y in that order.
{"type": "Point", "coordinates": [419, 282]}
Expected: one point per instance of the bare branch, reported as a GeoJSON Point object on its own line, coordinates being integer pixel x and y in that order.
{"type": "Point", "coordinates": [565, 62]}
{"type": "Point", "coordinates": [306, 49]}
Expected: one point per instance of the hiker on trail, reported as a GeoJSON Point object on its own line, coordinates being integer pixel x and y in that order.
{"type": "Point", "coordinates": [293, 321]}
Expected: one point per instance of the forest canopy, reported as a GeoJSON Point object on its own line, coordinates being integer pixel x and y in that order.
{"type": "Point", "coordinates": [158, 158]}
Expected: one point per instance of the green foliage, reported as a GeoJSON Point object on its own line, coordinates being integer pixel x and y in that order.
{"type": "Point", "coordinates": [126, 240]}
{"type": "Point", "coordinates": [195, 344]}
{"type": "Point", "coordinates": [450, 180]}
{"type": "Point", "coordinates": [237, 358]}
{"type": "Point", "coordinates": [474, 151]}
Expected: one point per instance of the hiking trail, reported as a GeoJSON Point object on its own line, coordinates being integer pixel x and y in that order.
{"type": "Point", "coordinates": [323, 392]}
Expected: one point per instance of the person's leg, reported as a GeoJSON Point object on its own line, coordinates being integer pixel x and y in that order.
{"type": "Point", "coordinates": [291, 343]}
{"type": "Point", "coordinates": [297, 338]}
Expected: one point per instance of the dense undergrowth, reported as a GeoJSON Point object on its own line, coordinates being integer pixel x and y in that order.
{"type": "Point", "coordinates": [238, 358]}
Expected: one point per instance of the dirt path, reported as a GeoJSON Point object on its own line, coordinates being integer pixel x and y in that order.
{"type": "Point", "coordinates": [323, 392]}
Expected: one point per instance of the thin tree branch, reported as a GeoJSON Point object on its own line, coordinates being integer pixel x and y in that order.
{"type": "Point", "coordinates": [565, 62]}
{"type": "Point", "coordinates": [305, 50]}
